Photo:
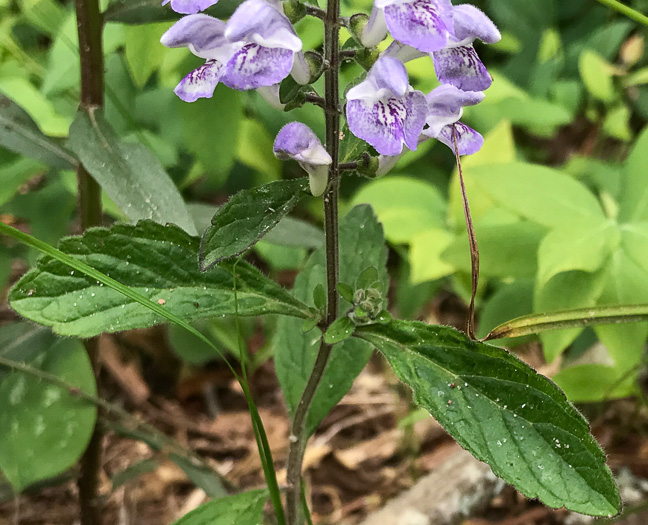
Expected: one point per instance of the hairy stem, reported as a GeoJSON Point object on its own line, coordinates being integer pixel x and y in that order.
{"type": "Point", "coordinates": [298, 434]}
{"type": "Point", "coordinates": [90, 26]}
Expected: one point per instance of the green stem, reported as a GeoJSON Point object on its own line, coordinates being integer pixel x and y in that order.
{"type": "Point", "coordinates": [298, 433]}
{"type": "Point", "coordinates": [535, 324]}
{"type": "Point", "coordinates": [625, 10]}
{"type": "Point", "coordinates": [90, 26]}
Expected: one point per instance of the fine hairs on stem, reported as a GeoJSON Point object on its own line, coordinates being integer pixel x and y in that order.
{"type": "Point", "coordinates": [90, 25]}
{"type": "Point", "coordinates": [298, 435]}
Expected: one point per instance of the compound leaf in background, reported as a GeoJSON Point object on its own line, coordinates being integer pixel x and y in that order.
{"type": "Point", "coordinates": [362, 244]}
{"type": "Point", "coordinates": [19, 133]}
{"type": "Point", "coordinates": [44, 429]}
{"type": "Point", "coordinates": [129, 173]}
{"type": "Point", "coordinates": [247, 217]}
{"type": "Point", "coordinates": [159, 262]}
{"type": "Point", "coordinates": [503, 412]}
{"type": "Point", "coordinates": [540, 194]}
{"type": "Point", "coordinates": [583, 246]}
{"type": "Point", "coordinates": [243, 509]}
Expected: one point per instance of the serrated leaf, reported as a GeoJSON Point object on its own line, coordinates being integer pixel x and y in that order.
{"type": "Point", "coordinates": [362, 244]}
{"type": "Point", "coordinates": [44, 429]}
{"type": "Point", "coordinates": [340, 330]}
{"type": "Point", "coordinates": [243, 509]}
{"type": "Point", "coordinates": [157, 261]}
{"type": "Point", "coordinates": [129, 174]}
{"type": "Point", "coordinates": [503, 412]}
{"type": "Point", "coordinates": [19, 133]}
{"type": "Point", "coordinates": [247, 217]}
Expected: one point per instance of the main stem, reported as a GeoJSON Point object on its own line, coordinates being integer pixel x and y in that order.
{"type": "Point", "coordinates": [90, 25]}
{"type": "Point", "coordinates": [298, 433]}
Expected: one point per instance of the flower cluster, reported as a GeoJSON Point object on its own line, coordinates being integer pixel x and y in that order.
{"type": "Point", "coordinates": [257, 48]}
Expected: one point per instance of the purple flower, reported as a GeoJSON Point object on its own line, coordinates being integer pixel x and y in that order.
{"type": "Point", "coordinates": [296, 141]}
{"type": "Point", "coordinates": [458, 63]}
{"type": "Point", "coordinates": [384, 110]}
{"type": "Point", "coordinates": [445, 108]}
{"type": "Point", "coordinates": [188, 7]}
{"type": "Point", "coordinates": [257, 47]}
{"type": "Point", "coordinates": [422, 24]}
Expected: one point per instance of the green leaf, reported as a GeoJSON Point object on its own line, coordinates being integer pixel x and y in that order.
{"type": "Point", "coordinates": [15, 174]}
{"type": "Point", "coordinates": [503, 412]}
{"type": "Point", "coordinates": [222, 116]}
{"type": "Point", "coordinates": [425, 255]}
{"type": "Point", "coordinates": [345, 291]}
{"type": "Point", "coordinates": [340, 330]}
{"type": "Point", "coordinates": [576, 246]}
{"type": "Point", "coordinates": [540, 194]}
{"type": "Point", "coordinates": [144, 53]}
{"type": "Point", "coordinates": [506, 250]}
{"type": "Point", "coordinates": [634, 202]}
{"type": "Point", "coordinates": [362, 244]}
{"type": "Point", "coordinates": [592, 383]}
{"type": "Point", "coordinates": [626, 283]}
{"type": "Point", "coordinates": [19, 133]}
{"type": "Point", "coordinates": [156, 261]}
{"type": "Point", "coordinates": [246, 218]}
{"type": "Point", "coordinates": [243, 509]}
{"type": "Point", "coordinates": [43, 428]}
{"type": "Point", "coordinates": [597, 75]}
{"type": "Point", "coordinates": [129, 174]}
{"type": "Point", "coordinates": [566, 291]}
{"type": "Point", "coordinates": [405, 206]}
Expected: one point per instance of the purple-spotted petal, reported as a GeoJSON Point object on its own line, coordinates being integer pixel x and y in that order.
{"type": "Point", "coordinates": [201, 82]}
{"type": "Point", "coordinates": [187, 7]}
{"type": "Point", "coordinates": [259, 22]}
{"type": "Point", "coordinates": [387, 124]}
{"type": "Point", "coordinates": [468, 140]}
{"type": "Point", "coordinates": [471, 23]}
{"type": "Point", "coordinates": [254, 66]}
{"type": "Point", "coordinates": [298, 142]}
{"type": "Point", "coordinates": [461, 67]}
{"type": "Point", "coordinates": [415, 106]}
{"type": "Point", "coordinates": [202, 32]}
{"type": "Point", "coordinates": [422, 24]}
{"type": "Point", "coordinates": [386, 79]}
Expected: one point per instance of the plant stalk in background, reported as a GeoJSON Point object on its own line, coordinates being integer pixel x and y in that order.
{"type": "Point", "coordinates": [90, 26]}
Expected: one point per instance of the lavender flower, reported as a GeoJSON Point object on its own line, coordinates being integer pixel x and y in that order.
{"type": "Point", "coordinates": [384, 110]}
{"type": "Point", "coordinates": [445, 108]}
{"type": "Point", "coordinates": [257, 47]}
{"type": "Point", "coordinates": [458, 63]}
{"type": "Point", "coordinates": [296, 141]}
{"type": "Point", "coordinates": [422, 24]}
{"type": "Point", "coordinates": [188, 7]}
